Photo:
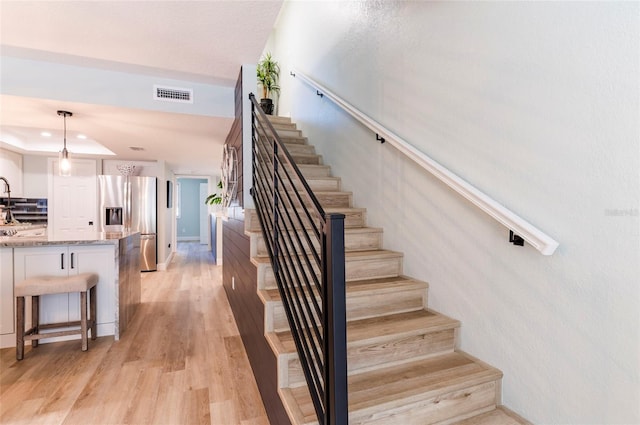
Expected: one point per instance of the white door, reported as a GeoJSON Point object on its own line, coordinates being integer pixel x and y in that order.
{"type": "Point", "coordinates": [204, 225]}
{"type": "Point", "coordinates": [73, 199]}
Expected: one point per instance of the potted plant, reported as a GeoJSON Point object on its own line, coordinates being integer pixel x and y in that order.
{"type": "Point", "coordinates": [268, 72]}
{"type": "Point", "coordinates": [214, 199]}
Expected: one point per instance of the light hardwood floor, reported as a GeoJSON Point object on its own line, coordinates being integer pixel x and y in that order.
{"type": "Point", "coordinates": [182, 361]}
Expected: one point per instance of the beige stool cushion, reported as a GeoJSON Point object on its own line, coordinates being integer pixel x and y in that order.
{"type": "Point", "coordinates": [44, 285]}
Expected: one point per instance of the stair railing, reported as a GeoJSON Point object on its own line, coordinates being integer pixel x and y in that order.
{"type": "Point", "coordinates": [306, 248]}
{"type": "Point", "coordinates": [520, 230]}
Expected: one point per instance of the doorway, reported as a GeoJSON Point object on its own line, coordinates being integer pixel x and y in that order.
{"type": "Point", "coordinates": [191, 211]}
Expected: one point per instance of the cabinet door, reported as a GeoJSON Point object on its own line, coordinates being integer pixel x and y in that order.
{"type": "Point", "coordinates": [7, 312]}
{"type": "Point", "coordinates": [97, 259]}
{"type": "Point", "coordinates": [45, 261]}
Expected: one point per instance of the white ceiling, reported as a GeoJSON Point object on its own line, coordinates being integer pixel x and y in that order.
{"type": "Point", "coordinates": [203, 42]}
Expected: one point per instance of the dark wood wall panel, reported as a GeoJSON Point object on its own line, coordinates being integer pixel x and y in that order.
{"type": "Point", "coordinates": [248, 311]}
{"type": "Point", "coordinates": [247, 307]}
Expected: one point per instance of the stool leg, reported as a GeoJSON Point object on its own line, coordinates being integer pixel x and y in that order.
{"type": "Point", "coordinates": [94, 314]}
{"type": "Point", "coordinates": [35, 318]}
{"type": "Point", "coordinates": [83, 320]}
{"type": "Point", "coordinates": [19, 328]}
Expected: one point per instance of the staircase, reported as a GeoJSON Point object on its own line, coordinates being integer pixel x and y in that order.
{"type": "Point", "coordinates": [403, 364]}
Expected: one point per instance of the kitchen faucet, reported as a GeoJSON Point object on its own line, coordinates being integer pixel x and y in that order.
{"type": "Point", "coordinates": [9, 219]}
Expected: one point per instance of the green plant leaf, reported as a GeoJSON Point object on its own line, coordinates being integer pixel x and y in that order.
{"type": "Point", "coordinates": [213, 199]}
{"type": "Point", "coordinates": [268, 73]}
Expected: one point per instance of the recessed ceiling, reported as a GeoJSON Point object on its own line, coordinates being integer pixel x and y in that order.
{"type": "Point", "coordinates": [204, 42]}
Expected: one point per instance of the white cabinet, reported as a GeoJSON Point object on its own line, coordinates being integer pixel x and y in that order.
{"type": "Point", "coordinates": [6, 291]}
{"type": "Point", "coordinates": [63, 260]}
{"type": "Point", "coordinates": [11, 169]}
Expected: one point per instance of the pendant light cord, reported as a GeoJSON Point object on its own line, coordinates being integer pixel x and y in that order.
{"type": "Point", "coordinates": [65, 130]}
{"type": "Point", "coordinates": [65, 114]}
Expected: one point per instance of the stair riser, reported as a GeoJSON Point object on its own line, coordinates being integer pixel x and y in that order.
{"type": "Point", "coordinates": [365, 356]}
{"type": "Point", "coordinates": [353, 219]}
{"type": "Point", "coordinates": [335, 199]}
{"type": "Point", "coordinates": [294, 140]}
{"type": "Point", "coordinates": [311, 171]}
{"type": "Point", "coordinates": [274, 119]}
{"type": "Point", "coordinates": [300, 157]}
{"type": "Point", "coordinates": [437, 409]}
{"type": "Point", "coordinates": [304, 159]}
{"type": "Point", "coordinates": [327, 200]}
{"type": "Point", "coordinates": [296, 148]}
{"type": "Point", "coordinates": [284, 126]}
{"type": "Point", "coordinates": [320, 185]}
{"type": "Point", "coordinates": [353, 242]}
{"type": "Point", "coordinates": [359, 306]}
{"type": "Point", "coordinates": [373, 268]}
{"type": "Point", "coordinates": [354, 270]}
{"type": "Point", "coordinates": [288, 133]}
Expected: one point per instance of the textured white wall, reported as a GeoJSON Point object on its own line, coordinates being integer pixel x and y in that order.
{"type": "Point", "coordinates": [537, 105]}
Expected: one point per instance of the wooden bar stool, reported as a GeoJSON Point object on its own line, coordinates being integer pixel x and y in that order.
{"type": "Point", "coordinates": [45, 285]}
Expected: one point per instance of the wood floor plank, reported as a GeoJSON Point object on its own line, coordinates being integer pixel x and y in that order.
{"type": "Point", "coordinates": [181, 361]}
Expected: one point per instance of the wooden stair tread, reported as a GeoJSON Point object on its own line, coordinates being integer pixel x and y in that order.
{"type": "Point", "coordinates": [352, 255]}
{"type": "Point", "coordinates": [382, 285]}
{"type": "Point", "coordinates": [284, 125]}
{"type": "Point", "coordinates": [305, 154]}
{"type": "Point", "coordinates": [359, 265]}
{"type": "Point", "coordinates": [355, 238]}
{"type": "Point", "coordinates": [382, 389]}
{"type": "Point", "coordinates": [354, 217]}
{"type": "Point", "coordinates": [319, 178]}
{"type": "Point", "coordinates": [498, 416]}
{"type": "Point", "coordinates": [332, 192]}
{"type": "Point", "coordinates": [374, 254]}
{"type": "Point", "coordinates": [350, 230]}
{"type": "Point", "coordinates": [344, 210]}
{"type": "Point", "coordinates": [382, 327]}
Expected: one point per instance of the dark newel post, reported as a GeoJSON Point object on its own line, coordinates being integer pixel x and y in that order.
{"type": "Point", "coordinates": [335, 331]}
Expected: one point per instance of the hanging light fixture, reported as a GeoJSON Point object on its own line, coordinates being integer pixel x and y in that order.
{"type": "Point", "coordinates": [64, 166]}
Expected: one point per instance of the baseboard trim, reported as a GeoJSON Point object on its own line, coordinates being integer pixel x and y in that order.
{"type": "Point", "coordinates": [163, 266]}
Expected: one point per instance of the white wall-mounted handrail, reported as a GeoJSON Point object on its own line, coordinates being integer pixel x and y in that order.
{"type": "Point", "coordinates": [531, 234]}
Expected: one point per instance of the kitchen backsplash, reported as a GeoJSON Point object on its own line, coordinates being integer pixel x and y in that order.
{"type": "Point", "coordinates": [28, 210]}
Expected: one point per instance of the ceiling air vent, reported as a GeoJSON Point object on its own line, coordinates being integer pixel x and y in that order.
{"type": "Point", "coordinates": [172, 94]}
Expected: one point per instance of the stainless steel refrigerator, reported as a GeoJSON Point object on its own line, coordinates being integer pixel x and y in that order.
{"type": "Point", "coordinates": [128, 203]}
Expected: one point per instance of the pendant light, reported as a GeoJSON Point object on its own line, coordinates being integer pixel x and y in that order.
{"type": "Point", "coordinates": [64, 166]}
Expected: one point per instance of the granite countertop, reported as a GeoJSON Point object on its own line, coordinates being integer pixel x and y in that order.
{"type": "Point", "coordinates": [97, 238]}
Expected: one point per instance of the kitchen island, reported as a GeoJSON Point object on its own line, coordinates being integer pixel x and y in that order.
{"type": "Point", "coordinates": [114, 257]}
